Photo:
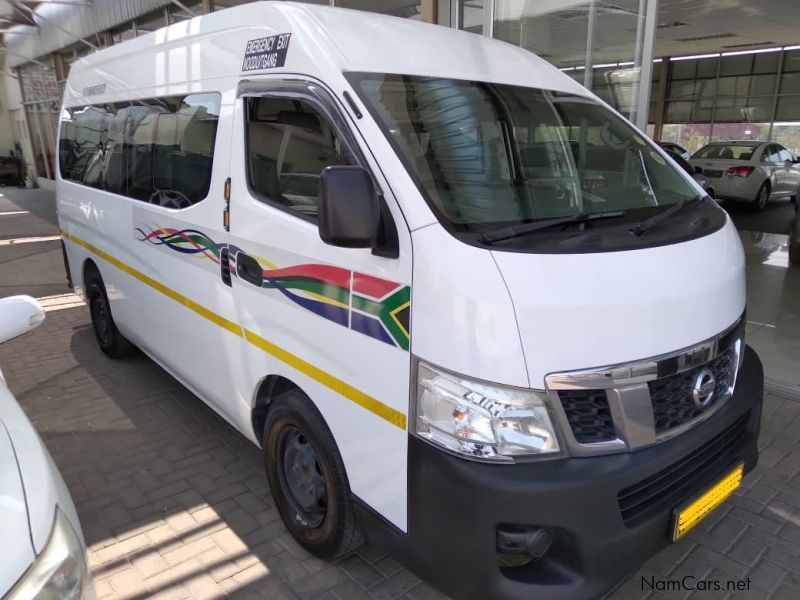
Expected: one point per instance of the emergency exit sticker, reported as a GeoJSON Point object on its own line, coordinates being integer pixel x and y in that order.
{"type": "Point", "coordinates": [266, 52]}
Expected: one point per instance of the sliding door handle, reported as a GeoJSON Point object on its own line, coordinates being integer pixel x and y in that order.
{"type": "Point", "coordinates": [248, 269]}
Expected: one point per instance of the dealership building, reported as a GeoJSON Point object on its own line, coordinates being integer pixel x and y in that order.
{"type": "Point", "coordinates": [712, 70]}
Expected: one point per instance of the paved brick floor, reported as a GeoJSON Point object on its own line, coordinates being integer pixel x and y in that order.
{"type": "Point", "coordinates": [174, 502]}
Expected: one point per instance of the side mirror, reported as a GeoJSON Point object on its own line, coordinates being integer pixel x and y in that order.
{"type": "Point", "coordinates": [18, 315]}
{"type": "Point", "coordinates": [348, 211]}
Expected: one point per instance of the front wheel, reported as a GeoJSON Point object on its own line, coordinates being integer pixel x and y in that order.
{"type": "Point", "coordinates": [108, 337]}
{"type": "Point", "coordinates": [762, 197]}
{"type": "Point", "coordinates": [307, 478]}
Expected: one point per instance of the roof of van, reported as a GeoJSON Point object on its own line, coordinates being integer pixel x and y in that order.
{"type": "Point", "coordinates": [322, 38]}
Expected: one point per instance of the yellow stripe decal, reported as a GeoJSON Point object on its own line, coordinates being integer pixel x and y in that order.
{"type": "Point", "coordinates": [342, 388]}
{"type": "Point", "coordinates": [337, 385]}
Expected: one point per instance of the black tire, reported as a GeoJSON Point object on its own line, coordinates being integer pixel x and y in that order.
{"type": "Point", "coordinates": [794, 254]}
{"type": "Point", "coordinates": [108, 337]}
{"type": "Point", "coordinates": [314, 500]}
{"type": "Point", "coordinates": [762, 197]}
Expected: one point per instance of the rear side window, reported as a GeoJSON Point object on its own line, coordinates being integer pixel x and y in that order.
{"type": "Point", "coordinates": [289, 143]}
{"type": "Point", "coordinates": [784, 155]}
{"type": "Point", "coordinates": [726, 151]}
{"type": "Point", "coordinates": [157, 150]}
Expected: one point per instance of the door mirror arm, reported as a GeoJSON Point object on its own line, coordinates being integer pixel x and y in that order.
{"type": "Point", "coordinates": [387, 244]}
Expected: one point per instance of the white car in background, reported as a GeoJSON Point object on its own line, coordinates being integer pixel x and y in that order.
{"type": "Point", "coordinates": [44, 555]}
{"type": "Point", "coordinates": [748, 171]}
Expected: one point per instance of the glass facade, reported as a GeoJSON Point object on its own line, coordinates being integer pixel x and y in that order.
{"type": "Point", "coordinates": [608, 47]}
{"type": "Point", "coordinates": [602, 46]}
{"type": "Point", "coordinates": [738, 95]}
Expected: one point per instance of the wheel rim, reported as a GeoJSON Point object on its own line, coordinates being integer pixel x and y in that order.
{"type": "Point", "coordinates": [762, 197]}
{"type": "Point", "coordinates": [101, 319]}
{"type": "Point", "coordinates": [301, 478]}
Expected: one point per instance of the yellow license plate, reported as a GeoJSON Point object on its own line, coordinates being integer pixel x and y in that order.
{"type": "Point", "coordinates": [685, 517]}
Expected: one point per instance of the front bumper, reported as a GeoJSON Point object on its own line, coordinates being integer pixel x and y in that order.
{"type": "Point", "coordinates": [455, 506]}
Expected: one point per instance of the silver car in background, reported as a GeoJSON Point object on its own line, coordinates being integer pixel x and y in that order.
{"type": "Point", "coordinates": [748, 171]}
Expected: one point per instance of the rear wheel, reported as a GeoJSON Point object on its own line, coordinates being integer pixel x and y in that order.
{"type": "Point", "coordinates": [108, 337]}
{"type": "Point", "coordinates": [762, 197]}
{"type": "Point", "coordinates": [307, 477]}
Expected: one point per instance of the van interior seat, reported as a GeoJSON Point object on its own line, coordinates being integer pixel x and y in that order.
{"type": "Point", "coordinates": [264, 140]}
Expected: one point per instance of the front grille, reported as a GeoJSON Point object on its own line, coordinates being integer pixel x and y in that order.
{"type": "Point", "coordinates": [671, 396]}
{"type": "Point", "coordinates": [588, 414]}
{"type": "Point", "coordinates": [684, 478]}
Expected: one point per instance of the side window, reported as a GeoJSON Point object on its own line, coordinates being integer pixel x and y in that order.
{"type": "Point", "coordinates": [158, 150]}
{"type": "Point", "coordinates": [784, 155]}
{"type": "Point", "coordinates": [770, 154]}
{"type": "Point", "coordinates": [289, 143]}
{"type": "Point", "coordinates": [83, 144]}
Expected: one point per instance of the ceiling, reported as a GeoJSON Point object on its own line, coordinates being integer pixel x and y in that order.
{"type": "Point", "coordinates": [725, 25]}
{"type": "Point", "coordinates": [556, 29]}
{"type": "Point", "coordinates": [15, 13]}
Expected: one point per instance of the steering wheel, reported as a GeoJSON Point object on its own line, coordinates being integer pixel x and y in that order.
{"type": "Point", "coordinates": [170, 199]}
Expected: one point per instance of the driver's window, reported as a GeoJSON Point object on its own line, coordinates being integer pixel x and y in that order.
{"type": "Point", "coordinates": [289, 143]}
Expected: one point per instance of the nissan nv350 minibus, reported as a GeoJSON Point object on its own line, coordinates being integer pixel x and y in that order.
{"type": "Point", "coordinates": [464, 307]}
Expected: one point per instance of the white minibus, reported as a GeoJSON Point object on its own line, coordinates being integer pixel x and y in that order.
{"type": "Point", "coordinates": [465, 308]}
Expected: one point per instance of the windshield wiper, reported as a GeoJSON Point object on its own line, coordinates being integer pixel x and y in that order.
{"type": "Point", "coordinates": [656, 220]}
{"type": "Point", "coordinates": [513, 231]}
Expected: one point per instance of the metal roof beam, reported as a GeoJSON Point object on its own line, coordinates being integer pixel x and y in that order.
{"type": "Point", "coordinates": [34, 14]}
{"type": "Point", "coordinates": [5, 50]}
{"type": "Point", "coordinates": [183, 7]}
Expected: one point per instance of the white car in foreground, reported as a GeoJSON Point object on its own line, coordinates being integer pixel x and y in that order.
{"type": "Point", "coordinates": [44, 554]}
{"type": "Point", "coordinates": [748, 171]}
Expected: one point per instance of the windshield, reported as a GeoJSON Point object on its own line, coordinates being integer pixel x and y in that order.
{"type": "Point", "coordinates": [727, 151]}
{"type": "Point", "coordinates": [486, 155]}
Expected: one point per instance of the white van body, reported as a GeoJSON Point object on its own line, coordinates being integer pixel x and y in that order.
{"type": "Point", "coordinates": [509, 318]}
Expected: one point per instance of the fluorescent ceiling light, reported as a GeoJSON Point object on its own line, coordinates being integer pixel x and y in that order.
{"type": "Point", "coordinates": [758, 51]}
{"type": "Point", "coordinates": [712, 55]}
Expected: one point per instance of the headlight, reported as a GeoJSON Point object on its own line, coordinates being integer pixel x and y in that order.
{"type": "Point", "coordinates": [482, 421]}
{"type": "Point", "coordinates": [59, 572]}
